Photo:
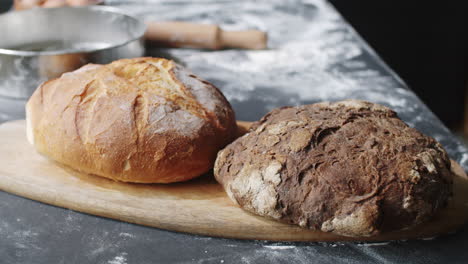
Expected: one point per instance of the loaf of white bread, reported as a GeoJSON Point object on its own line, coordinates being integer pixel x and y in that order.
{"type": "Point", "coordinates": [146, 120]}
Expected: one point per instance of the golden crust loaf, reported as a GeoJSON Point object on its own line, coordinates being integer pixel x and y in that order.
{"type": "Point", "coordinates": [145, 120]}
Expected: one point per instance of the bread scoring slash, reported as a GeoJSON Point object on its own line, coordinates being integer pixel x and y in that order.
{"type": "Point", "coordinates": [351, 167]}
{"type": "Point", "coordinates": [146, 120]}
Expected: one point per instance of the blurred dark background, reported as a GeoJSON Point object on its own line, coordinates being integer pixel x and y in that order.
{"type": "Point", "coordinates": [425, 42]}
{"type": "Point", "coordinates": [5, 5]}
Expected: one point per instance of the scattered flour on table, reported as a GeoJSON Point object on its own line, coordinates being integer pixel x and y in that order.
{"type": "Point", "coordinates": [23, 240]}
{"type": "Point", "coordinates": [278, 247]}
{"type": "Point", "coordinates": [429, 238]}
{"type": "Point", "coordinates": [72, 222]}
{"type": "Point", "coordinates": [121, 258]}
{"type": "Point", "coordinates": [373, 244]}
{"type": "Point", "coordinates": [98, 243]}
{"type": "Point", "coordinates": [464, 157]}
{"type": "Point", "coordinates": [123, 234]}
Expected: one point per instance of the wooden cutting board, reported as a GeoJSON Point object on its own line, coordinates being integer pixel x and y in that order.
{"type": "Point", "coordinates": [199, 206]}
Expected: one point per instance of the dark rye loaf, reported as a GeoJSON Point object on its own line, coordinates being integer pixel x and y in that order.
{"type": "Point", "coordinates": [351, 167]}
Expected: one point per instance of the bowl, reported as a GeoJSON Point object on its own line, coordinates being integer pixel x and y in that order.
{"type": "Point", "coordinates": [42, 43]}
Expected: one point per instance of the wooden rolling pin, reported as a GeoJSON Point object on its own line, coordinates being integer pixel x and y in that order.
{"type": "Point", "coordinates": [204, 36]}
{"type": "Point", "coordinates": [174, 34]}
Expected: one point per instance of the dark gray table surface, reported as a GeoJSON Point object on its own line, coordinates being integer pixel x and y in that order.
{"type": "Point", "coordinates": [314, 56]}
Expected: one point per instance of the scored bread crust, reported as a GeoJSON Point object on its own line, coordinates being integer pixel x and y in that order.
{"type": "Point", "coordinates": [351, 167]}
{"type": "Point", "coordinates": [146, 120]}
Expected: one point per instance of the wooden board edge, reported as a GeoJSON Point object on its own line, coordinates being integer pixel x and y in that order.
{"type": "Point", "coordinates": [415, 233]}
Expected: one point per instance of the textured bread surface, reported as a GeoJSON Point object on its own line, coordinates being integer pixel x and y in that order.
{"type": "Point", "coordinates": [145, 120]}
{"type": "Point", "coordinates": [351, 167]}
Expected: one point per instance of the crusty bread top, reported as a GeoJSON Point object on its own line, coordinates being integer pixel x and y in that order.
{"type": "Point", "coordinates": [131, 120]}
{"type": "Point", "coordinates": [350, 167]}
